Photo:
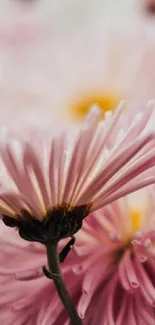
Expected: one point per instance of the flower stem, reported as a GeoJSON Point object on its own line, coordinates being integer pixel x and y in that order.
{"type": "Point", "coordinates": [53, 262]}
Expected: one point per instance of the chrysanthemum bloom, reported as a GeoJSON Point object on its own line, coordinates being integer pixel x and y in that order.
{"type": "Point", "coordinates": [110, 273]}
{"type": "Point", "coordinates": [115, 264]}
{"type": "Point", "coordinates": [76, 172]}
{"type": "Point", "coordinates": [80, 64]}
{"type": "Point", "coordinates": [49, 187]}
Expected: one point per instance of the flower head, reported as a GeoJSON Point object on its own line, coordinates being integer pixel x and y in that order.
{"type": "Point", "coordinates": [117, 263]}
{"type": "Point", "coordinates": [49, 186]}
{"type": "Point", "coordinates": [109, 273]}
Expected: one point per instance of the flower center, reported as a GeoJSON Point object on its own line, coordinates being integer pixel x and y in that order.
{"type": "Point", "coordinates": [60, 222]}
{"type": "Point", "coordinates": [128, 235]}
{"type": "Point", "coordinates": [106, 101]}
{"type": "Point", "coordinates": [135, 216]}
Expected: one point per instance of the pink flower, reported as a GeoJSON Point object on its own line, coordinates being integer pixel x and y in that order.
{"type": "Point", "coordinates": [75, 173]}
{"type": "Point", "coordinates": [109, 274]}
{"type": "Point", "coordinates": [116, 263]}
{"type": "Point", "coordinates": [48, 186]}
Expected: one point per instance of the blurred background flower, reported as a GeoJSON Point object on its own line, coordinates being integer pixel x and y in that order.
{"type": "Point", "coordinates": [57, 59]}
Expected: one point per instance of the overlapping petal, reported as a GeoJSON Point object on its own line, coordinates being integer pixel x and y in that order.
{"type": "Point", "coordinates": [109, 273]}
{"type": "Point", "coordinates": [83, 165]}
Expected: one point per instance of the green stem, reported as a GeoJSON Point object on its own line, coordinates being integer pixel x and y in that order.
{"type": "Point", "coordinates": [53, 262]}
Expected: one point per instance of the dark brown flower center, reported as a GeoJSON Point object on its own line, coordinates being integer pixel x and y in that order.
{"type": "Point", "coordinates": [59, 223]}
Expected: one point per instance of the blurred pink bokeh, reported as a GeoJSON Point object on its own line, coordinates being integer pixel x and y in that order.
{"type": "Point", "coordinates": [45, 67]}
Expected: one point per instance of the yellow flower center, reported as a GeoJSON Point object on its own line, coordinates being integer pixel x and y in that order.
{"type": "Point", "coordinates": [134, 222]}
{"type": "Point", "coordinates": [136, 219]}
{"type": "Point", "coordinates": [106, 101]}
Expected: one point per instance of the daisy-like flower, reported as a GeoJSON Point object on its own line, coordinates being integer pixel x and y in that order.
{"type": "Point", "coordinates": [115, 264]}
{"type": "Point", "coordinates": [109, 274]}
{"type": "Point", "coordinates": [49, 187]}
{"type": "Point", "coordinates": [82, 64]}
{"type": "Point", "coordinates": [77, 172]}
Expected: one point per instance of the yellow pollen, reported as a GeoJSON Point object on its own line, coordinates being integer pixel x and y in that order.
{"type": "Point", "coordinates": [136, 218]}
{"type": "Point", "coordinates": [106, 101]}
